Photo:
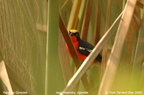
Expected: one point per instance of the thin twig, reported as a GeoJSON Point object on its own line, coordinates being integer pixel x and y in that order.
{"type": "Point", "coordinates": [64, 4]}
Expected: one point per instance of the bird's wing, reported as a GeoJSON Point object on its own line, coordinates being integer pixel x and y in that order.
{"type": "Point", "coordinates": [84, 47]}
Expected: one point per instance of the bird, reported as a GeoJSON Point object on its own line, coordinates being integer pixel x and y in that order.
{"type": "Point", "coordinates": [83, 48]}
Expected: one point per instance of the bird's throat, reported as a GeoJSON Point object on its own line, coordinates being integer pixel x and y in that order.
{"type": "Point", "coordinates": [73, 38]}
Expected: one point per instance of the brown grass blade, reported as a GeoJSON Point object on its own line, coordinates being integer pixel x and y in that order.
{"type": "Point", "coordinates": [72, 50]}
{"type": "Point", "coordinates": [68, 41]}
{"type": "Point", "coordinates": [97, 22]}
{"type": "Point", "coordinates": [86, 20]}
{"type": "Point", "coordinates": [113, 61]}
{"type": "Point", "coordinates": [64, 60]}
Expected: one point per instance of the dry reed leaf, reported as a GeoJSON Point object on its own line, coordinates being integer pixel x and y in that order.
{"type": "Point", "coordinates": [73, 19]}
{"type": "Point", "coordinates": [5, 78]}
{"type": "Point", "coordinates": [138, 58]}
{"type": "Point", "coordinates": [113, 61]}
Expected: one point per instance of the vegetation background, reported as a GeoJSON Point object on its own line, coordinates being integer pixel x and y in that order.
{"type": "Point", "coordinates": [33, 57]}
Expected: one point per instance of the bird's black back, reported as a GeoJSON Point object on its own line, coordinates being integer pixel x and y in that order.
{"type": "Point", "coordinates": [85, 48]}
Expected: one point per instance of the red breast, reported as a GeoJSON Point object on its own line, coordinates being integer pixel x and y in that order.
{"type": "Point", "coordinates": [81, 57]}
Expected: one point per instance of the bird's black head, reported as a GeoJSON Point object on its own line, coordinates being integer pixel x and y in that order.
{"type": "Point", "coordinates": [74, 33]}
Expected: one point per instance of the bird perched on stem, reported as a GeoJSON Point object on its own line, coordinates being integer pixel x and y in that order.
{"type": "Point", "coordinates": [83, 48]}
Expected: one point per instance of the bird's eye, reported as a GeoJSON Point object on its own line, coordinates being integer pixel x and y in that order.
{"type": "Point", "coordinates": [70, 33]}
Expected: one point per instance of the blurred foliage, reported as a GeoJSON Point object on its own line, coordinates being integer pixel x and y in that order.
{"type": "Point", "coordinates": [22, 45]}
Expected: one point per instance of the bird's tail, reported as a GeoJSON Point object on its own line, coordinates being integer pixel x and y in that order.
{"type": "Point", "coordinates": [99, 58]}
